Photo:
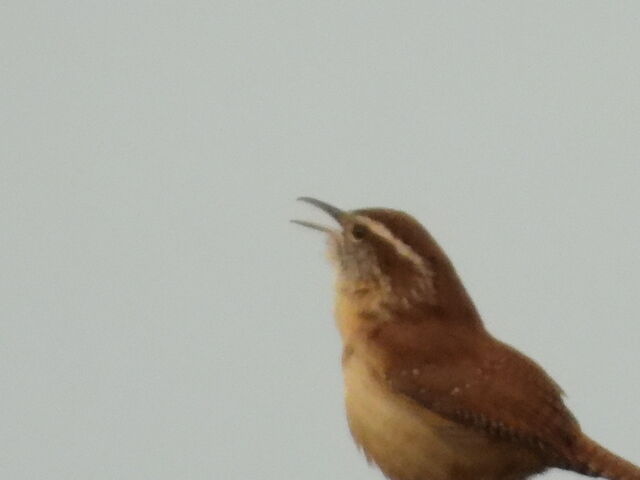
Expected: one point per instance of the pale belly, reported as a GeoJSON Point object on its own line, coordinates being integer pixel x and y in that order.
{"type": "Point", "coordinates": [408, 442]}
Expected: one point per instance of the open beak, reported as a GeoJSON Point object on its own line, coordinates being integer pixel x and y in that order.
{"type": "Point", "coordinates": [335, 212]}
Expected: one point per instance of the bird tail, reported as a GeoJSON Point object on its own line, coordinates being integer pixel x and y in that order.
{"type": "Point", "coordinates": [596, 461]}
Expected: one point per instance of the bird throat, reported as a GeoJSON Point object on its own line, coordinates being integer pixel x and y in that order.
{"type": "Point", "coordinates": [360, 304]}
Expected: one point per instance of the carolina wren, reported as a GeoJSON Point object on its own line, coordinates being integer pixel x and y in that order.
{"type": "Point", "coordinates": [430, 394]}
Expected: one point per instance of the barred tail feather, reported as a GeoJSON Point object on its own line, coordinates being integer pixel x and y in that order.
{"type": "Point", "coordinates": [596, 461]}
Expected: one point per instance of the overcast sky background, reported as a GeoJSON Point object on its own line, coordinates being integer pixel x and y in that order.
{"type": "Point", "coordinates": [159, 316]}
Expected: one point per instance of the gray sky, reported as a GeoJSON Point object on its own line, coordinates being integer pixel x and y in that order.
{"type": "Point", "coordinates": [159, 316]}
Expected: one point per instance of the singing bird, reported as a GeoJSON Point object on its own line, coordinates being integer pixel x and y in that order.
{"type": "Point", "coordinates": [430, 394]}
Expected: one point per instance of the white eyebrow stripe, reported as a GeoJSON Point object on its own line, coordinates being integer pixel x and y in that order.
{"type": "Point", "coordinates": [402, 248]}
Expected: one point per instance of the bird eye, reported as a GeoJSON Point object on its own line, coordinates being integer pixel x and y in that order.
{"type": "Point", "coordinates": [358, 232]}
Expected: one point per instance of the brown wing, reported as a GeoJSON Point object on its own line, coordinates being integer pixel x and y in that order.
{"type": "Point", "coordinates": [472, 379]}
